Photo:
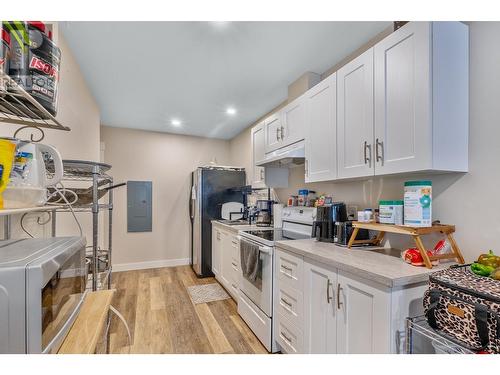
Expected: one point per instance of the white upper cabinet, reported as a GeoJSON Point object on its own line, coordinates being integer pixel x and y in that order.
{"type": "Point", "coordinates": [402, 107]}
{"type": "Point", "coordinates": [421, 98]}
{"type": "Point", "coordinates": [293, 122]}
{"type": "Point", "coordinates": [258, 154]}
{"type": "Point", "coordinates": [355, 117]}
{"type": "Point", "coordinates": [286, 126]}
{"type": "Point", "coordinates": [273, 126]}
{"type": "Point", "coordinates": [321, 131]}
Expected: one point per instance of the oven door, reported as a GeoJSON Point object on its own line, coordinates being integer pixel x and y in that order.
{"type": "Point", "coordinates": [55, 290]}
{"type": "Point", "coordinates": [260, 291]}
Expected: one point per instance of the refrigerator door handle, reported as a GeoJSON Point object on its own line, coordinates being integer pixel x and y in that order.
{"type": "Point", "coordinates": [192, 204]}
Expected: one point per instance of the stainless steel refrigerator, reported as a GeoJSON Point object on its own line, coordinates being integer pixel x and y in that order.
{"type": "Point", "coordinates": [210, 188]}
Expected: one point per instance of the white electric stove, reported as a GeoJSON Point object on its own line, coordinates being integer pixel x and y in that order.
{"type": "Point", "coordinates": [255, 305]}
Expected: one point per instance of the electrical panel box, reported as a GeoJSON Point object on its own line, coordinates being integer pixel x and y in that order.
{"type": "Point", "coordinates": [139, 206]}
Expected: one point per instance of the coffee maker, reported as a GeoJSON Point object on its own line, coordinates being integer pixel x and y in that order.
{"type": "Point", "coordinates": [326, 217]}
{"type": "Point", "coordinates": [264, 213]}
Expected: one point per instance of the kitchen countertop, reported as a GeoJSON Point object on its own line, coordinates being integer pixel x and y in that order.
{"type": "Point", "coordinates": [236, 228]}
{"type": "Point", "coordinates": [384, 269]}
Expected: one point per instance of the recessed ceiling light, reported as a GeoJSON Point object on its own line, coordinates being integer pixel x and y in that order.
{"type": "Point", "coordinates": [176, 122]}
{"type": "Point", "coordinates": [220, 25]}
{"type": "Point", "coordinates": [231, 111]}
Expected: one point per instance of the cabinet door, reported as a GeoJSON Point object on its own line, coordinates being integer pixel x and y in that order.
{"type": "Point", "coordinates": [273, 132]}
{"type": "Point", "coordinates": [216, 251]}
{"type": "Point", "coordinates": [235, 265]}
{"type": "Point", "coordinates": [321, 125]}
{"type": "Point", "coordinates": [355, 117]}
{"type": "Point", "coordinates": [258, 154]}
{"type": "Point", "coordinates": [225, 261]}
{"type": "Point", "coordinates": [363, 319]}
{"type": "Point", "coordinates": [293, 122]}
{"type": "Point", "coordinates": [403, 130]}
{"type": "Point", "coordinates": [320, 330]}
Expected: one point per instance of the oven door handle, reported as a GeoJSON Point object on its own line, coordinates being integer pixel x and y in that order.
{"type": "Point", "coordinates": [266, 249]}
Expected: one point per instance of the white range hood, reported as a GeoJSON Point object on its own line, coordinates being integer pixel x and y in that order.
{"type": "Point", "coordinates": [286, 157]}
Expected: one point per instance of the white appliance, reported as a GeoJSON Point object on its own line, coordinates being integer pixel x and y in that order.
{"type": "Point", "coordinates": [255, 303]}
{"type": "Point", "coordinates": [28, 179]}
{"type": "Point", "coordinates": [232, 211]}
{"type": "Point", "coordinates": [289, 156]}
{"type": "Point", "coordinates": [42, 286]}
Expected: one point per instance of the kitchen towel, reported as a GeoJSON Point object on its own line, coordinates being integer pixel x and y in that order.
{"type": "Point", "coordinates": [249, 259]}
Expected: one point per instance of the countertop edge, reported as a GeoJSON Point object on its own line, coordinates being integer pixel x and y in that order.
{"type": "Point", "coordinates": [404, 281]}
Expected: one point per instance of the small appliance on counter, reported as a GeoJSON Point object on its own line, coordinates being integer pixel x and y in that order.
{"type": "Point", "coordinates": [324, 226]}
{"type": "Point", "coordinates": [264, 213]}
{"type": "Point", "coordinates": [343, 231]}
{"type": "Point", "coordinates": [232, 211]}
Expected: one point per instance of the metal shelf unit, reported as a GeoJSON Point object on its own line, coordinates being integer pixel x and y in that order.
{"type": "Point", "coordinates": [422, 339]}
{"type": "Point", "coordinates": [80, 170]}
{"type": "Point", "coordinates": [19, 107]}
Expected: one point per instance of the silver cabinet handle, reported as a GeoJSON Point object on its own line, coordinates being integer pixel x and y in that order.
{"type": "Point", "coordinates": [278, 136]}
{"type": "Point", "coordinates": [262, 174]}
{"type": "Point", "coordinates": [234, 286]}
{"type": "Point", "coordinates": [234, 264]}
{"type": "Point", "coordinates": [282, 132]}
{"type": "Point", "coordinates": [328, 297]}
{"type": "Point", "coordinates": [286, 337]}
{"type": "Point", "coordinates": [339, 288]}
{"type": "Point", "coordinates": [368, 155]}
{"type": "Point", "coordinates": [285, 302]}
{"type": "Point", "coordinates": [379, 157]}
{"type": "Point", "coordinates": [286, 268]}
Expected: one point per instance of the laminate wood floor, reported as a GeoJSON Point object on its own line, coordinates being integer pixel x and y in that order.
{"type": "Point", "coordinates": [163, 319]}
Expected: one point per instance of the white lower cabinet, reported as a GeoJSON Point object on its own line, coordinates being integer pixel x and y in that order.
{"type": "Point", "coordinates": [225, 259]}
{"type": "Point", "coordinates": [326, 310]}
{"type": "Point", "coordinates": [320, 309]}
{"type": "Point", "coordinates": [363, 316]}
{"type": "Point", "coordinates": [216, 250]}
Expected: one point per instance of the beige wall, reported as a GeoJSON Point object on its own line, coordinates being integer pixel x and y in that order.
{"type": "Point", "coordinates": [467, 200]}
{"type": "Point", "coordinates": [167, 160]}
{"type": "Point", "coordinates": [78, 110]}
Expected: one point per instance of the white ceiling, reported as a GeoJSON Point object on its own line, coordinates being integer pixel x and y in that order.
{"type": "Point", "coordinates": [144, 74]}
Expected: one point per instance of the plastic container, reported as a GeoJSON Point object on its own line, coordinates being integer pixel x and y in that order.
{"type": "Point", "coordinates": [45, 58]}
{"type": "Point", "coordinates": [34, 62]}
{"type": "Point", "coordinates": [24, 197]}
{"type": "Point", "coordinates": [391, 212]}
{"type": "Point", "coordinates": [368, 214]}
{"type": "Point", "coordinates": [4, 61]}
{"type": "Point", "coordinates": [303, 197]}
{"type": "Point", "coordinates": [418, 203]}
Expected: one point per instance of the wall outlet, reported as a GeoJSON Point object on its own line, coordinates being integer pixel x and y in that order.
{"type": "Point", "coordinates": [351, 211]}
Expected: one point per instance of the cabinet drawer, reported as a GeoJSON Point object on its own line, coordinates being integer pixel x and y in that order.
{"type": "Point", "coordinates": [290, 304]}
{"type": "Point", "coordinates": [235, 272]}
{"type": "Point", "coordinates": [289, 337]}
{"type": "Point", "coordinates": [235, 250]}
{"type": "Point", "coordinates": [290, 269]}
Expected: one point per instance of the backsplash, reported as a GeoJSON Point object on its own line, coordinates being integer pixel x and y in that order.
{"type": "Point", "coordinates": [367, 193]}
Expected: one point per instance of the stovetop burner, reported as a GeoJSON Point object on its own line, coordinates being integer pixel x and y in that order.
{"type": "Point", "coordinates": [277, 235]}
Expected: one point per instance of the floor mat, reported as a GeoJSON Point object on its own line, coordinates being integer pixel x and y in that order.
{"type": "Point", "coordinates": [207, 293]}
